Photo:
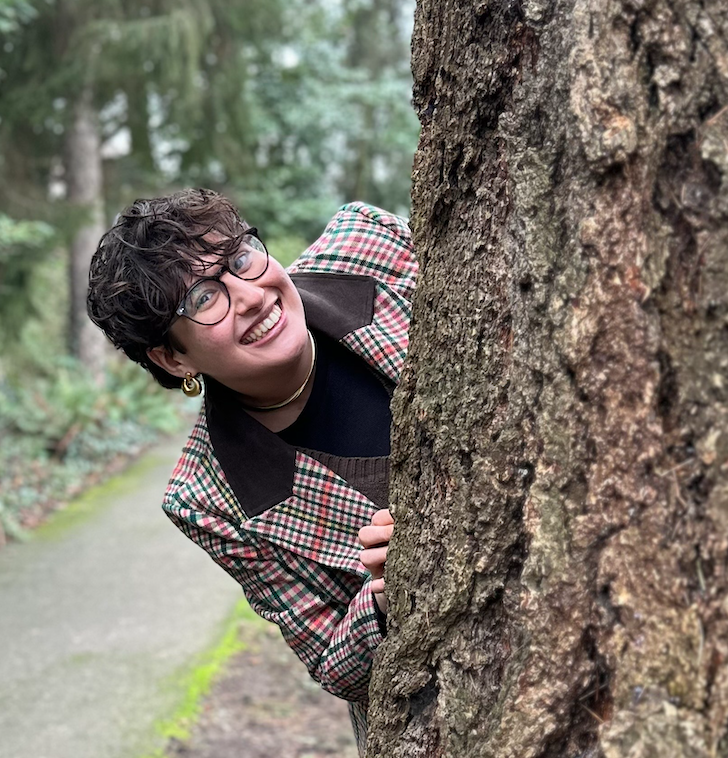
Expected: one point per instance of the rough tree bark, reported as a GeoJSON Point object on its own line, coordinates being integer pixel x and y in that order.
{"type": "Point", "coordinates": [85, 189]}
{"type": "Point", "coordinates": [558, 577]}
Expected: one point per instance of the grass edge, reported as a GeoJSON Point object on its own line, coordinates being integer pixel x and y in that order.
{"type": "Point", "coordinates": [196, 680]}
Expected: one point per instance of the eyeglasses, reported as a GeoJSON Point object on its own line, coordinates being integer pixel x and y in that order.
{"type": "Point", "coordinates": [207, 301]}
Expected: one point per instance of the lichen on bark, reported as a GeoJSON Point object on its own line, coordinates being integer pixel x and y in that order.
{"type": "Point", "coordinates": [557, 577]}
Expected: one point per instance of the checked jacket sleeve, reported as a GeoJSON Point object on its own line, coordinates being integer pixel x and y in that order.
{"type": "Point", "coordinates": [314, 589]}
{"type": "Point", "coordinates": [334, 633]}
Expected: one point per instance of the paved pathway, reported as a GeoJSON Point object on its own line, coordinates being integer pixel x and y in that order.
{"type": "Point", "coordinates": [97, 615]}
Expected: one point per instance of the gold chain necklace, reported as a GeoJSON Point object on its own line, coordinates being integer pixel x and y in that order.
{"type": "Point", "coordinates": [299, 391]}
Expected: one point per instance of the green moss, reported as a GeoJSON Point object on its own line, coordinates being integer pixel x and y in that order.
{"type": "Point", "coordinates": [94, 500]}
{"type": "Point", "coordinates": [195, 680]}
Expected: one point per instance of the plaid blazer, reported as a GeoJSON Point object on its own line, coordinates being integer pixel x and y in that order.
{"type": "Point", "coordinates": [281, 523]}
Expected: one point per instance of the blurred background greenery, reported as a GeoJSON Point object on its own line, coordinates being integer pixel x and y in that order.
{"type": "Point", "coordinates": [289, 107]}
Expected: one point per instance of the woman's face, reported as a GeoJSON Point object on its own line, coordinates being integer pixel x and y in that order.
{"type": "Point", "coordinates": [261, 347]}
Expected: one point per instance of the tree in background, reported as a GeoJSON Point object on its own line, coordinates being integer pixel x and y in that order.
{"type": "Point", "coordinates": [107, 101]}
{"type": "Point", "coordinates": [558, 578]}
{"type": "Point", "coordinates": [67, 63]}
{"type": "Point", "coordinates": [327, 100]}
{"type": "Point", "coordinates": [378, 48]}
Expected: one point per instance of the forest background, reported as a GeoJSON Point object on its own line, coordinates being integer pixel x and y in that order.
{"type": "Point", "coordinates": [289, 107]}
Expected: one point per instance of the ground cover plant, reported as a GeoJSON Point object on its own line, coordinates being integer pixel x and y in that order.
{"type": "Point", "coordinates": [62, 433]}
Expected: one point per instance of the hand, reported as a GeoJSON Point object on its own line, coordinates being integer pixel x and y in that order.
{"type": "Point", "coordinates": [375, 540]}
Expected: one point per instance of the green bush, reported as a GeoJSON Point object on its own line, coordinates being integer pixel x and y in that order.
{"type": "Point", "coordinates": [58, 430]}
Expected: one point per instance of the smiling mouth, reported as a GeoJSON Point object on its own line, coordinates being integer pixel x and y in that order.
{"type": "Point", "coordinates": [265, 326]}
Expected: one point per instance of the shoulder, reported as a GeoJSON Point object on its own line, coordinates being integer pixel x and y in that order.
{"type": "Point", "coordinates": [359, 215]}
{"type": "Point", "coordinates": [362, 239]}
{"type": "Point", "coordinates": [198, 488]}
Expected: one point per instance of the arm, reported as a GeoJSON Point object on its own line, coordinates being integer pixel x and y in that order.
{"type": "Point", "coordinates": [327, 616]}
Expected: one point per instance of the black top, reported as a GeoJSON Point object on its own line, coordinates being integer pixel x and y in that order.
{"type": "Point", "coordinates": [347, 413]}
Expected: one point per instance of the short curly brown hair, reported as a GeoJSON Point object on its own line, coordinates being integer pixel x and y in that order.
{"type": "Point", "coordinates": [142, 266]}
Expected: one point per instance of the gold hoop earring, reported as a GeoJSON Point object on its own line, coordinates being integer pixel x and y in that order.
{"type": "Point", "coordinates": [191, 385]}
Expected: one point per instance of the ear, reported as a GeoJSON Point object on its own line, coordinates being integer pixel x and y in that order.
{"type": "Point", "coordinates": [171, 361]}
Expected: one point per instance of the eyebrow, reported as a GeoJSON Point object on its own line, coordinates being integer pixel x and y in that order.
{"type": "Point", "coordinates": [207, 269]}
{"type": "Point", "coordinates": [223, 266]}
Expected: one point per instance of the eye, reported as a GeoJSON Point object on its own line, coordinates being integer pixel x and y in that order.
{"type": "Point", "coordinates": [240, 262]}
{"type": "Point", "coordinates": [203, 296]}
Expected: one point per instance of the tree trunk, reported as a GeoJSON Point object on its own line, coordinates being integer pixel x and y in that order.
{"type": "Point", "coordinates": [557, 578]}
{"type": "Point", "coordinates": [85, 190]}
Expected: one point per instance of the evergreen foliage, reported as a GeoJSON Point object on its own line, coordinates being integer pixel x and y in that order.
{"type": "Point", "coordinates": [59, 431]}
{"type": "Point", "coordinates": [290, 107]}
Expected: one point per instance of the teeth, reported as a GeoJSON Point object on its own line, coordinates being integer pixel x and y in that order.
{"type": "Point", "coordinates": [265, 326]}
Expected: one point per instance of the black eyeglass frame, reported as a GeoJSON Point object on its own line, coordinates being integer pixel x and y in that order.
{"type": "Point", "coordinates": [251, 232]}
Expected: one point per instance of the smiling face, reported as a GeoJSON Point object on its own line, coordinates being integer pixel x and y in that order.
{"type": "Point", "coordinates": [259, 349]}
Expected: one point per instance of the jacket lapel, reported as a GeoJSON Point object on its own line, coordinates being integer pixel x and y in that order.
{"type": "Point", "coordinates": [321, 520]}
{"type": "Point", "coordinates": [336, 304]}
{"type": "Point", "coordinates": [258, 464]}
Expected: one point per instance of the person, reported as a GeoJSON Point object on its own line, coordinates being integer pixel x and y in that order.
{"type": "Point", "coordinates": [283, 479]}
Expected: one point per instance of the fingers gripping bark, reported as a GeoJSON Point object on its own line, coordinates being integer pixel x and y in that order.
{"type": "Point", "coordinates": [375, 542]}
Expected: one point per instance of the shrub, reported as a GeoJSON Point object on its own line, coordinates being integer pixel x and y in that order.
{"type": "Point", "coordinates": [57, 431]}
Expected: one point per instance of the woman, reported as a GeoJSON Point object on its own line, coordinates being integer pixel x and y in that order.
{"type": "Point", "coordinates": [284, 477]}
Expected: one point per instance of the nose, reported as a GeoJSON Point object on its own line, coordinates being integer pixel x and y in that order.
{"type": "Point", "coordinates": [244, 295]}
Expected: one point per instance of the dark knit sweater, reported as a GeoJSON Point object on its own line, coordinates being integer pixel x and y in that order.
{"type": "Point", "coordinates": [345, 424]}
